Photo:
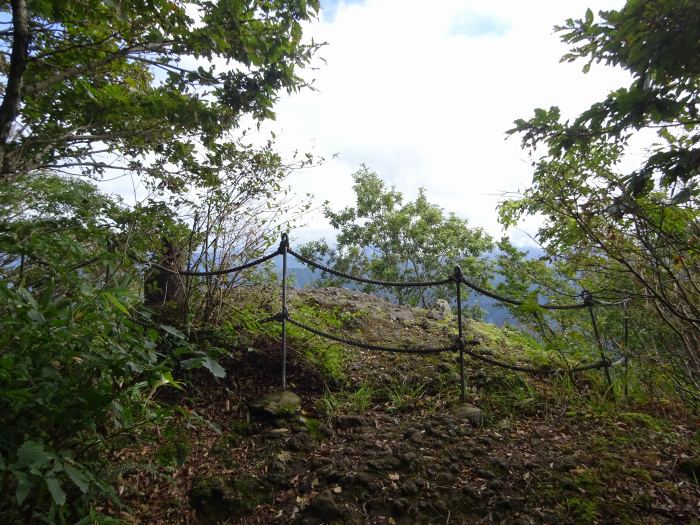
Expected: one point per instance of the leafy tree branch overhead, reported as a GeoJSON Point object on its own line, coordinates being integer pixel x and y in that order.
{"type": "Point", "coordinates": [632, 231]}
{"type": "Point", "coordinates": [658, 43]}
{"type": "Point", "coordinates": [100, 87]}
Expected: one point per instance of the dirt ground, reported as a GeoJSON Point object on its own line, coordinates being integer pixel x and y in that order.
{"type": "Point", "coordinates": [392, 443]}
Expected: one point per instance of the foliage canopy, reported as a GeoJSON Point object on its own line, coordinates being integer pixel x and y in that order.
{"type": "Point", "coordinates": [110, 87]}
{"type": "Point", "coordinates": [385, 238]}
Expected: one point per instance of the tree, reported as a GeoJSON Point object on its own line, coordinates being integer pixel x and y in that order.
{"type": "Point", "coordinates": [631, 233]}
{"type": "Point", "coordinates": [97, 89]}
{"type": "Point", "coordinates": [383, 238]}
{"type": "Point", "coordinates": [111, 87]}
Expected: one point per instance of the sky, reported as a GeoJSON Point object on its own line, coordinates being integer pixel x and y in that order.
{"type": "Point", "coordinates": [423, 93]}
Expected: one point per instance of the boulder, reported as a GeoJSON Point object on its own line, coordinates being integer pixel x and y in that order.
{"type": "Point", "coordinates": [473, 414]}
{"type": "Point", "coordinates": [277, 404]}
{"type": "Point", "coordinates": [440, 311]}
{"type": "Point", "coordinates": [216, 499]}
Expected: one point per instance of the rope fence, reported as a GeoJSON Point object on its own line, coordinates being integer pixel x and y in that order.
{"type": "Point", "coordinates": [461, 345]}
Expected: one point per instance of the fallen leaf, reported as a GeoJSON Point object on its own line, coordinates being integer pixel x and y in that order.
{"type": "Point", "coordinates": [393, 476]}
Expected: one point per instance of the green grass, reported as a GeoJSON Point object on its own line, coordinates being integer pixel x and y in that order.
{"type": "Point", "coordinates": [345, 401]}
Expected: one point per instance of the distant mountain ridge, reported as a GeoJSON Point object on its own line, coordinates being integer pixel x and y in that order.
{"type": "Point", "coordinates": [301, 276]}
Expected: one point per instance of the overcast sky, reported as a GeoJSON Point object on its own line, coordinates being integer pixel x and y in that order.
{"type": "Point", "coordinates": [423, 92]}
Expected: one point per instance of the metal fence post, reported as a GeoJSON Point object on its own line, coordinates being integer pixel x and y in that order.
{"type": "Point", "coordinates": [458, 280]}
{"type": "Point", "coordinates": [588, 301]}
{"type": "Point", "coordinates": [284, 247]}
{"type": "Point", "coordinates": [624, 346]}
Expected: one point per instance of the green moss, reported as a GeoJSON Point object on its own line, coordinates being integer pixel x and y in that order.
{"type": "Point", "coordinates": [172, 453]}
{"type": "Point", "coordinates": [218, 499]}
{"type": "Point", "coordinates": [313, 427]}
{"type": "Point", "coordinates": [582, 510]}
{"type": "Point", "coordinates": [641, 419]}
{"type": "Point", "coordinates": [639, 473]}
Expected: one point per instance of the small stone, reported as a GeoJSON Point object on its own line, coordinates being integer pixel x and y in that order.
{"type": "Point", "coordinates": [440, 311]}
{"type": "Point", "coordinates": [404, 316]}
{"type": "Point", "coordinates": [277, 404]}
{"type": "Point", "coordinates": [319, 462]}
{"type": "Point", "coordinates": [500, 465]}
{"type": "Point", "coordinates": [349, 421]}
{"type": "Point", "coordinates": [301, 442]}
{"type": "Point", "coordinates": [484, 473]}
{"type": "Point", "coordinates": [408, 459]}
{"type": "Point", "coordinates": [470, 492]}
{"type": "Point", "coordinates": [503, 505]}
{"type": "Point", "coordinates": [414, 435]}
{"type": "Point", "coordinates": [369, 482]}
{"type": "Point", "coordinates": [400, 505]}
{"type": "Point", "coordinates": [566, 466]}
{"type": "Point", "coordinates": [325, 507]}
{"type": "Point", "coordinates": [445, 478]}
{"type": "Point", "coordinates": [690, 467]}
{"type": "Point", "coordinates": [377, 507]}
{"type": "Point", "coordinates": [471, 413]}
{"type": "Point", "coordinates": [495, 485]}
{"type": "Point", "coordinates": [440, 506]}
{"type": "Point", "coordinates": [409, 488]}
{"type": "Point", "coordinates": [568, 484]}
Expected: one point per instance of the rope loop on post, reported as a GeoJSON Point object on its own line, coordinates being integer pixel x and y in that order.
{"type": "Point", "coordinates": [284, 244]}
{"type": "Point", "coordinates": [587, 298]}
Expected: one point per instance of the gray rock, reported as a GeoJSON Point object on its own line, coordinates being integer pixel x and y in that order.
{"type": "Point", "coordinates": [325, 507]}
{"type": "Point", "coordinates": [484, 473]}
{"type": "Point", "coordinates": [405, 316]}
{"type": "Point", "coordinates": [277, 404]}
{"type": "Point", "coordinates": [348, 421]}
{"type": "Point", "coordinates": [495, 485]}
{"type": "Point", "coordinates": [473, 414]}
{"type": "Point", "coordinates": [368, 481]}
{"type": "Point", "coordinates": [440, 311]}
{"type": "Point", "coordinates": [301, 442]}
{"type": "Point", "coordinates": [414, 435]}
{"type": "Point", "coordinates": [217, 499]}
{"type": "Point", "coordinates": [409, 488]}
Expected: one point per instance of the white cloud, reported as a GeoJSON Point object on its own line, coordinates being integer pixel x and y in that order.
{"type": "Point", "coordinates": [424, 97]}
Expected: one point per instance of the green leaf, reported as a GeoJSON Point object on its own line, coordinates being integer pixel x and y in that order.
{"type": "Point", "coordinates": [32, 454]}
{"type": "Point", "coordinates": [116, 303]}
{"type": "Point", "coordinates": [214, 367]}
{"type": "Point", "coordinates": [77, 477]}
{"type": "Point", "coordinates": [173, 331]}
{"type": "Point", "coordinates": [36, 316]}
{"type": "Point", "coordinates": [56, 491]}
{"type": "Point", "coordinates": [24, 485]}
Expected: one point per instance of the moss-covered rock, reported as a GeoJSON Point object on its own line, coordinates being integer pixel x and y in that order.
{"type": "Point", "coordinates": [218, 499]}
{"type": "Point", "coordinates": [277, 404]}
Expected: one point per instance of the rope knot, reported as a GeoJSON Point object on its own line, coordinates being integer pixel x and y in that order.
{"type": "Point", "coordinates": [284, 244]}
{"type": "Point", "coordinates": [587, 298]}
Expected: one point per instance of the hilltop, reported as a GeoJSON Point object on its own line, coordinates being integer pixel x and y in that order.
{"type": "Point", "coordinates": [383, 438]}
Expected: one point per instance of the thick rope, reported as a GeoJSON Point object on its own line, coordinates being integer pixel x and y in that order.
{"type": "Point", "coordinates": [367, 346]}
{"type": "Point", "coordinates": [545, 370]}
{"type": "Point", "coordinates": [378, 282]}
{"type": "Point", "coordinates": [216, 272]}
{"type": "Point", "coordinates": [515, 302]}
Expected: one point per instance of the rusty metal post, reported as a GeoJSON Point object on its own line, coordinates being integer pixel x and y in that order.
{"type": "Point", "coordinates": [284, 247]}
{"type": "Point", "coordinates": [458, 281]}
{"type": "Point", "coordinates": [588, 301]}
